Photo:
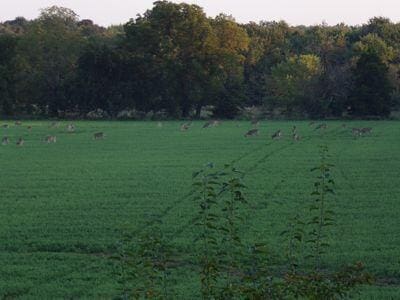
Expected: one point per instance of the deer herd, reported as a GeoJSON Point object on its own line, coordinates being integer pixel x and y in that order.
{"type": "Point", "coordinates": [47, 139]}
{"type": "Point", "coordinates": [277, 135]}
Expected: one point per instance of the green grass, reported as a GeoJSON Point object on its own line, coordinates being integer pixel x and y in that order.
{"type": "Point", "coordinates": [65, 206]}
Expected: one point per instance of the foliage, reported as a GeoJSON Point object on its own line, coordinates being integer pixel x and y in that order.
{"type": "Point", "coordinates": [321, 214]}
{"type": "Point", "coordinates": [206, 192]}
{"type": "Point", "coordinates": [7, 73]}
{"type": "Point", "coordinates": [336, 285]}
{"type": "Point", "coordinates": [371, 92]}
{"type": "Point", "coordinates": [292, 81]}
{"type": "Point", "coordinates": [145, 265]}
{"type": "Point", "coordinates": [174, 57]}
{"type": "Point", "coordinates": [317, 283]}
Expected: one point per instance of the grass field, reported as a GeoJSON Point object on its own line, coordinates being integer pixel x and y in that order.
{"type": "Point", "coordinates": [65, 206]}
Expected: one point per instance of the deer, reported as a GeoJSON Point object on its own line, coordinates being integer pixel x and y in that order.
{"type": "Point", "coordinates": [216, 123]}
{"type": "Point", "coordinates": [5, 140]}
{"type": "Point", "coordinates": [29, 128]}
{"type": "Point", "coordinates": [321, 126]}
{"type": "Point", "coordinates": [159, 124]}
{"type": "Point", "coordinates": [20, 142]}
{"type": "Point", "coordinates": [208, 124]}
{"type": "Point", "coordinates": [55, 124]}
{"type": "Point", "coordinates": [365, 130]}
{"type": "Point", "coordinates": [255, 123]}
{"type": "Point", "coordinates": [50, 139]}
{"type": "Point", "coordinates": [185, 126]}
{"type": "Point", "coordinates": [251, 132]}
{"type": "Point", "coordinates": [71, 128]}
{"type": "Point", "coordinates": [6, 126]}
{"type": "Point", "coordinates": [356, 132]}
{"type": "Point", "coordinates": [296, 137]}
{"type": "Point", "coordinates": [277, 134]}
{"type": "Point", "coordinates": [18, 123]}
{"type": "Point", "coordinates": [211, 123]}
{"type": "Point", "coordinates": [99, 135]}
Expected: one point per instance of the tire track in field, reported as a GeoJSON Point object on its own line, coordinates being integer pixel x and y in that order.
{"type": "Point", "coordinates": [254, 167]}
{"type": "Point", "coordinates": [257, 165]}
{"type": "Point", "coordinates": [305, 138]}
{"type": "Point", "coordinates": [348, 180]}
{"type": "Point", "coordinates": [262, 160]}
{"type": "Point", "coordinates": [181, 199]}
{"type": "Point", "coordinates": [165, 212]}
{"type": "Point", "coordinates": [337, 132]}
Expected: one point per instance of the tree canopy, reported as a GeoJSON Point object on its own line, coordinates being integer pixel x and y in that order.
{"type": "Point", "coordinates": [174, 60]}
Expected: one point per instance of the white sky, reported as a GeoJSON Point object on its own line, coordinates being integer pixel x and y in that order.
{"type": "Point", "coordinates": [295, 12]}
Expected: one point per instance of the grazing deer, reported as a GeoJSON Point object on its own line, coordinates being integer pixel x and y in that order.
{"type": "Point", "coordinates": [356, 132]}
{"type": "Point", "coordinates": [71, 128]}
{"type": "Point", "coordinates": [99, 135]}
{"type": "Point", "coordinates": [18, 123]}
{"type": "Point", "coordinates": [277, 135]}
{"type": "Point", "coordinates": [296, 137]}
{"type": "Point", "coordinates": [208, 124]}
{"type": "Point", "coordinates": [20, 142]}
{"type": "Point", "coordinates": [366, 130]}
{"type": "Point", "coordinates": [5, 140]}
{"type": "Point", "coordinates": [255, 122]}
{"type": "Point", "coordinates": [185, 126]}
{"type": "Point", "coordinates": [6, 126]}
{"type": "Point", "coordinates": [321, 126]}
{"type": "Point", "coordinates": [251, 132]}
{"type": "Point", "coordinates": [50, 139]}
{"type": "Point", "coordinates": [29, 128]}
{"type": "Point", "coordinates": [212, 123]}
{"type": "Point", "coordinates": [216, 123]}
{"type": "Point", "coordinates": [55, 124]}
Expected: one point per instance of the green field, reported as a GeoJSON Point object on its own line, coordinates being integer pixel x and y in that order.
{"type": "Point", "coordinates": [65, 206]}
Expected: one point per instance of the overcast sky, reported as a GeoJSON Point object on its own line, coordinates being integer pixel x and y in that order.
{"type": "Point", "coordinates": [295, 12]}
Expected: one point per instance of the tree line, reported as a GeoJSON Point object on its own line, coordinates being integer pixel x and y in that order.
{"type": "Point", "coordinates": [174, 61]}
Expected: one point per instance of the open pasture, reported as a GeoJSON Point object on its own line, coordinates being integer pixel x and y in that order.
{"type": "Point", "coordinates": [65, 204]}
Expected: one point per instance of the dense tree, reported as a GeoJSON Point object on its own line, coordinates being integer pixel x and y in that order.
{"type": "Point", "coordinates": [373, 43]}
{"type": "Point", "coordinates": [175, 59]}
{"type": "Point", "coordinates": [190, 57]}
{"type": "Point", "coordinates": [7, 73]}
{"type": "Point", "coordinates": [293, 82]}
{"type": "Point", "coordinates": [49, 51]}
{"type": "Point", "coordinates": [178, 41]}
{"type": "Point", "coordinates": [371, 93]}
{"type": "Point", "coordinates": [269, 45]}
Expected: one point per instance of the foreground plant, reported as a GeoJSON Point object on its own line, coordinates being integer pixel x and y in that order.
{"type": "Point", "coordinates": [220, 195]}
{"type": "Point", "coordinates": [206, 189]}
{"type": "Point", "coordinates": [317, 284]}
{"type": "Point", "coordinates": [322, 216]}
{"type": "Point", "coordinates": [230, 269]}
{"type": "Point", "coordinates": [232, 250]}
{"type": "Point", "coordinates": [146, 268]}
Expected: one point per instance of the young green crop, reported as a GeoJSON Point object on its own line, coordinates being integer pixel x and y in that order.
{"type": "Point", "coordinates": [64, 205]}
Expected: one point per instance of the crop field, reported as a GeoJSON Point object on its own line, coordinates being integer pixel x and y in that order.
{"type": "Point", "coordinates": [65, 206]}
